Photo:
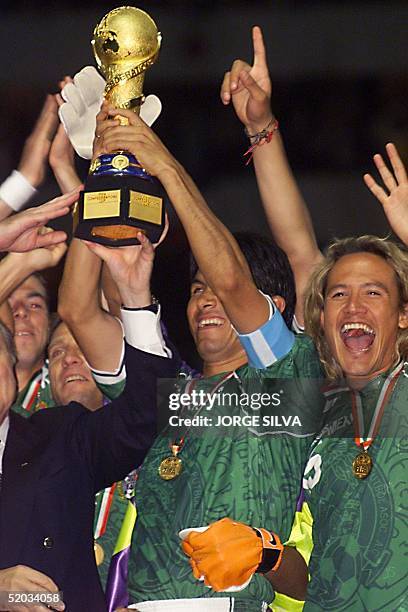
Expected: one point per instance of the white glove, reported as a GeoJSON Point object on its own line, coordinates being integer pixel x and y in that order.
{"type": "Point", "coordinates": [83, 99]}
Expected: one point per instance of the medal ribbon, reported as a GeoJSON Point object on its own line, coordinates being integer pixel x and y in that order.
{"type": "Point", "coordinates": [357, 409]}
{"type": "Point", "coordinates": [177, 446]}
{"type": "Point", "coordinates": [104, 509]}
{"type": "Point", "coordinates": [32, 393]}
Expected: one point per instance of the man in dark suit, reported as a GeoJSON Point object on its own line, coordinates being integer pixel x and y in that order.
{"type": "Point", "coordinates": [52, 466]}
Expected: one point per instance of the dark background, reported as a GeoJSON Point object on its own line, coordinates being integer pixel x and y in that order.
{"type": "Point", "coordinates": [340, 91]}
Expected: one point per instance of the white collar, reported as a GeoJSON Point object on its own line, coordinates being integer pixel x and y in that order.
{"type": "Point", "coordinates": [4, 427]}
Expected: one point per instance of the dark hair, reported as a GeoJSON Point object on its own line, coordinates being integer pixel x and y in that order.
{"type": "Point", "coordinates": [55, 321]}
{"type": "Point", "coordinates": [269, 267]}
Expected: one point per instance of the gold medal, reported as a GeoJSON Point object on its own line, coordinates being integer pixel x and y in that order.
{"type": "Point", "coordinates": [99, 553]}
{"type": "Point", "coordinates": [170, 467]}
{"type": "Point", "coordinates": [362, 465]}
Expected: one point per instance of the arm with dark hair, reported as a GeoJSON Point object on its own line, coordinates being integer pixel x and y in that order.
{"type": "Point", "coordinates": [249, 89]}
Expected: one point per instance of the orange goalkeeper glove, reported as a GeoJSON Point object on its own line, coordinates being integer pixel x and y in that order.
{"type": "Point", "coordinates": [228, 553]}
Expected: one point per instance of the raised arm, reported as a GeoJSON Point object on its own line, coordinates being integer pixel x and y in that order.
{"type": "Point", "coordinates": [48, 249]}
{"type": "Point", "coordinates": [62, 156]}
{"type": "Point", "coordinates": [16, 267]}
{"type": "Point", "coordinates": [97, 332]}
{"type": "Point", "coordinates": [118, 436]}
{"type": "Point", "coordinates": [217, 254]}
{"type": "Point", "coordinates": [249, 89]}
{"type": "Point", "coordinates": [24, 231]}
{"type": "Point", "coordinates": [22, 184]}
{"type": "Point", "coordinates": [61, 160]}
{"type": "Point", "coordinates": [393, 194]}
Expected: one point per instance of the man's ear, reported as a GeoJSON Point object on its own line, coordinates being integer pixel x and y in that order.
{"type": "Point", "coordinates": [403, 317]}
{"type": "Point", "coordinates": [322, 318]}
{"type": "Point", "coordinates": [279, 302]}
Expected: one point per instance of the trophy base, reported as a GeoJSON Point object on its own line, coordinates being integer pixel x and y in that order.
{"type": "Point", "coordinates": [113, 209]}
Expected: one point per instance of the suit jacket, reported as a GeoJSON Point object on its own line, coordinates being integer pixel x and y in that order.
{"type": "Point", "coordinates": [53, 465]}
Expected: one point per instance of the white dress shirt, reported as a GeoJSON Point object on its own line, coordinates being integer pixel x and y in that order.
{"type": "Point", "coordinates": [4, 427]}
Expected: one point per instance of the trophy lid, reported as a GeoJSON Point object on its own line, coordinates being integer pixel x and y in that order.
{"type": "Point", "coordinates": [124, 38]}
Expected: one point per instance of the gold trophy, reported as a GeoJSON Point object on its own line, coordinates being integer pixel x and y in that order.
{"type": "Point", "coordinates": [120, 198]}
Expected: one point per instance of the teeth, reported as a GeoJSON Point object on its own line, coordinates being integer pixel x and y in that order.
{"type": "Point", "coordinates": [22, 334]}
{"type": "Point", "coordinates": [205, 322]}
{"type": "Point", "coordinates": [347, 326]}
{"type": "Point", "coordinates": [74, 377]}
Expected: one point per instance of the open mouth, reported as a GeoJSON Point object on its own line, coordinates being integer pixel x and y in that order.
{"type": "Point", "coordinates": [212, 322]}
{"type": "Point", "coordinates": [357, 337]}
{"type": "Point", "coordinates": [74, 378]}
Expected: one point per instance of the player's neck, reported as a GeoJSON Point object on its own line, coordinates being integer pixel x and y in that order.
{"type": "Point", "coordinates": [227, 365]}
{"type": "Point", "coordinates": [25, 372]}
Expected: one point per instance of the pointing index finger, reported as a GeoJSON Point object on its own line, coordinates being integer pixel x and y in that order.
{"type": "Point", "coordinates": [259, 47]}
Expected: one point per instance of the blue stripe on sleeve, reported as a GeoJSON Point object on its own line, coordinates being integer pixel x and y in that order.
{"type": "Point", "coordinates": [269, 343]}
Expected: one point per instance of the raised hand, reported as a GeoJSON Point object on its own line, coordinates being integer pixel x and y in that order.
{"type": "Point", "coordinates": [62, 156]}
{"type": "Point", "coordinates": [21, 233]}
{"type": "Point", "coordinates": [393, 193]}
{"type": "Point", "coordinates": [227, 554]}
{"type": "Point", "coordinates": [131, 268]}
{"type": "Point", "coordinates": [61, 160]}
{"type": "Point", "coordinates": [136, 137]}
{"type": "Point", "coordinates": [41, 258]}
{"type": "Point", "coordinates": [249, 87]}
{"type": "Point", "coordinates": [33, 162]}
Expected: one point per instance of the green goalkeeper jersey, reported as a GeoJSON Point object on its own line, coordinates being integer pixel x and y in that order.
{"type": "Point", "coordinates": [360, 527]}
{"type": "Point", "coordinates": [250, 474]}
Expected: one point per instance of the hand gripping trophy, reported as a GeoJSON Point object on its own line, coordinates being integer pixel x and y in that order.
{"type": "Point", "coordinates": [120, 198]}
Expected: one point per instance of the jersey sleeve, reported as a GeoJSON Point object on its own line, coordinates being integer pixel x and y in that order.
{"type": "Point", "coordinates": [270, 343]}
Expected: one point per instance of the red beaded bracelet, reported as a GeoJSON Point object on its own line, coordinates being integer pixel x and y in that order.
{"type": "Point", "coordinates": [260, 138]}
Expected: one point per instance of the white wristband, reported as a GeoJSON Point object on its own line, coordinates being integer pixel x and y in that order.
{"type": "Point", "coordinates": [16, 190]}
